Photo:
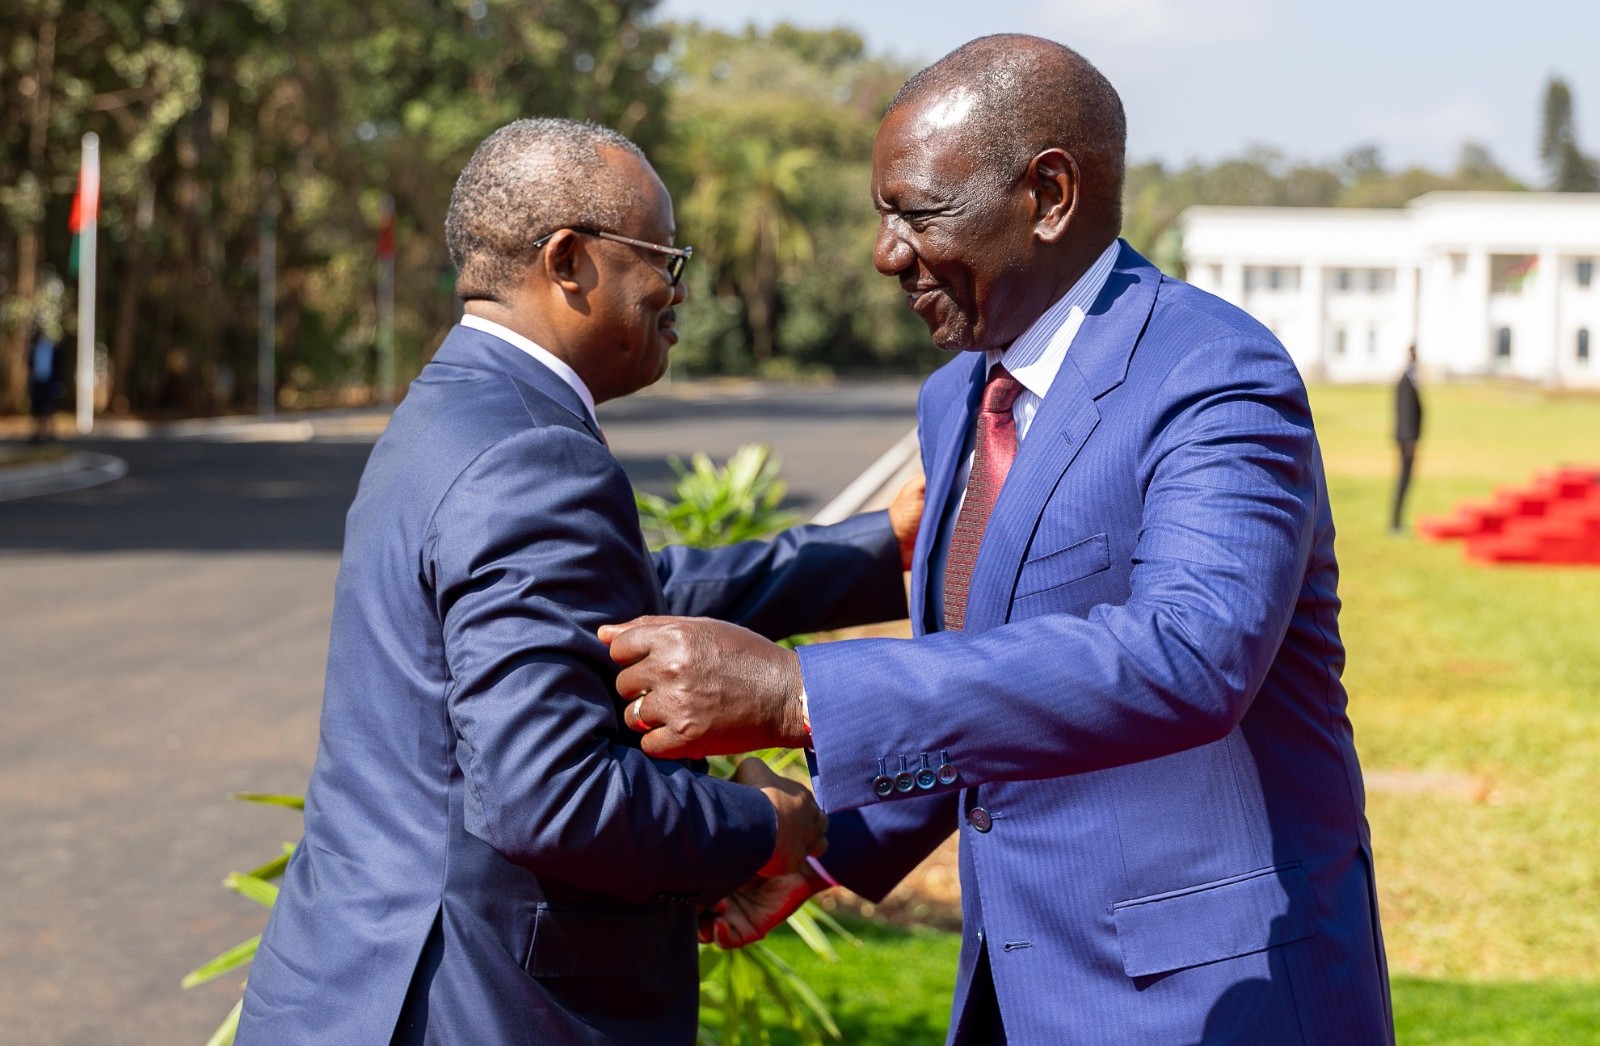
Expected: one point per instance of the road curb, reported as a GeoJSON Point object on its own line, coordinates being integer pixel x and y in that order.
{"type": "Point", "coordinates": [223, 430]}
{"type": "Point", "coordinates": [79, 470]}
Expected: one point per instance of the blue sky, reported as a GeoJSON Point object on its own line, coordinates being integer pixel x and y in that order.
{"type": "Point", "coordinates": [1202, 79]}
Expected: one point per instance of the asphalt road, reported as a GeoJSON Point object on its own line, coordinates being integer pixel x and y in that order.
{"type": "Point", "coordinates": [163, 645]}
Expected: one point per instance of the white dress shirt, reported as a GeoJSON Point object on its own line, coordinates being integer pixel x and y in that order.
{"type": "Point", "coordinates": [538, 352]}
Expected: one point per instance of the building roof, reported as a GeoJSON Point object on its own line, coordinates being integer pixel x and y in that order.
{"type": "Point", "coordinates": [1442, 220]}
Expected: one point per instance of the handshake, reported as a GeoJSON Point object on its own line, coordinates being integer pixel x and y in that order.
{"type": "Point", "coordinates": [787, 879]}
{"type": "Point", "coordinates": [697, 687]}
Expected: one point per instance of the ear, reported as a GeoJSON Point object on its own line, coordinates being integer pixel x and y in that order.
{"type": "Point", "coordinates": [562, 259]}
{"type": "Point", "coordinates": [1056, 185]}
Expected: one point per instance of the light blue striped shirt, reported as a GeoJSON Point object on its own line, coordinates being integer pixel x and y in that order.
{"type": "Point", "coordinates": [1033, 359]}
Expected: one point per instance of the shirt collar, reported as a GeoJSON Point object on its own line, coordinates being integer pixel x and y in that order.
{"type": "Point", "coordinates": [1035, 357]}
{"type": "Point", "coordinates": [554, 363]}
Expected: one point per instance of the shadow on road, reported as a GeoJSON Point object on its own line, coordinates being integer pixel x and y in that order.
{"type": "Point", "coordinates": [195, 496]}
{"type": "Point", "coordinates": [211, 496]}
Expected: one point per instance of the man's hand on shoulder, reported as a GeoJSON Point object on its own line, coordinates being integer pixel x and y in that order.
{"type": "Point", "coordinates": [905, 516]}
{"type": "Point", "coordinates": [697, 687]}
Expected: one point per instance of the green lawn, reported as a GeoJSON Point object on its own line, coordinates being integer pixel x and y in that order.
{"type": "Point", "coordinates": [1475, 693]}
{"type": "Point", "coordinates": [896, 989]}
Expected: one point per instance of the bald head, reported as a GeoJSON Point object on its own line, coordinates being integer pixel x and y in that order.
{"type": "Point", "coordinates": [1012, 96]}
{"type": "Point", "coordinates": [528, 179]}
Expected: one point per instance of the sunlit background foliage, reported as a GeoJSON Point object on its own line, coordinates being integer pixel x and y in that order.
{"type": "Point", "coordinates": [212, 111]}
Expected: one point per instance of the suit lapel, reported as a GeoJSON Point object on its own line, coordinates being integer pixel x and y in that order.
{"type": "Point", "coordinates": [948, 439]}
{"type": "Point", "coordinates": [1096, 364]}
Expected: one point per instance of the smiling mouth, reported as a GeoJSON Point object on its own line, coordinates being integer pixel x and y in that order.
{"type": "Point", "coordinates": [922, 298]}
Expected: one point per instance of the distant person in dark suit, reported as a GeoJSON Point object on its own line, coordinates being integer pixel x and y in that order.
{"type": "Point", "coordinates": [44, 383]}
{"type": "Point", "coordinates": [1407, 430]}
{"type": "Point", "coordinates": [489, 857]}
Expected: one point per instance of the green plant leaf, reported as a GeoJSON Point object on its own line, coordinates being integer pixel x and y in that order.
{"type": "Point", "coordinates": [297, 802]}
{"type": "Point", "coordinates": [229, 1027]}
{"type": "Point", "coordinates": [235, 957]}
{"type": "Point", "coordinates": [249, 886]}
{"type": "Point", "coordinates": [792, 981]}
{"type": "Point", "coordinates": [832, 925]}
{"type": "Point", "coordinates": [806, 927]}
{"type": "Point", "coordinates": [274, 868]}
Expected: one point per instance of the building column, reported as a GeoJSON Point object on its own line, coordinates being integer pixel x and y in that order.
{"type": "Point", "coordinates": [1478, 356]}
{"type": "Point", "coordinates": [1545, 329]}
{"type": "Point", "coordinates": [1433, 317]}
{"type": "Point", "coordinates": [1232, 289]}
{"type": "Point", "coordinates": [1314, 310]}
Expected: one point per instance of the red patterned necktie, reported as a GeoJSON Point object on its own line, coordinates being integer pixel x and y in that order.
{"type": "Point", "coordinates": [994, 448]}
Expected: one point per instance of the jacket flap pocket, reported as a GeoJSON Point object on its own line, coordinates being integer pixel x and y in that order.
{"type": "Point", "coordinates": [1215, 921]}
{"type": "Point", "coordinates": [1064, 565]}
{"type": "Point", "coordinates": [571, 940]}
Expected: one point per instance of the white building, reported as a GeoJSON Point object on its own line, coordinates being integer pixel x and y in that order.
{"type": "Point", "coordinates": [1484, 283]}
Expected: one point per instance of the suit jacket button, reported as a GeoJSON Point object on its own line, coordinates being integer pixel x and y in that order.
{"type": "Point", "coordinates": [904, 781]}
{"type": "Point", "coordinates": [979, 819]}
{"type": "Point", "coordinates": [947, 774]}
{"type": "Point", "coordinates": [882, 786]}
{"type": "Point", "coordinates": [926, 778]}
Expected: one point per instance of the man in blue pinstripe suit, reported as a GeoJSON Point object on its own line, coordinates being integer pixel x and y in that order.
{"type": "Point", "coordinates": [1124, 689]}
{"type": "Point", "coordinates": [488, 856]}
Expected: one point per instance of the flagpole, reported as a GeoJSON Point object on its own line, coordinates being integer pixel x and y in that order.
{"type": "Point", "coordinates": [267, 301]}
{"type": "Point", "coordinates": [89, 216]}
{"type": "Point", "coordinates": [386, 301]}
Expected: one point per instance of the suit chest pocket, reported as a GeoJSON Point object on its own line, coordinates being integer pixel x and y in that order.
{"type": "Point", "coordinates": [1062, 566]}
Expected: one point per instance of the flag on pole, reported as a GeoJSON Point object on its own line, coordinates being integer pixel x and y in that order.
{"type": "Point", "coordinates": [85, 211]}
{"type": "Point", "coordinates": [386, 229]}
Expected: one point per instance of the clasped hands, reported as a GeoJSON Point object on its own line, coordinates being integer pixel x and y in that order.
{"type": "Point", "coordinates": [697, 687]}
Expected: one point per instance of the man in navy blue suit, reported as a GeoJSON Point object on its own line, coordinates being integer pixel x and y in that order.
{"type": "Point", "coordinates": [489, 857]}
{"type": "Point", "coordinates": [1124, 688]}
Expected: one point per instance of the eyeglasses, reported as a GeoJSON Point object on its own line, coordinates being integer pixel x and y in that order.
{"type": "Point", "coordinates": [677, 257]}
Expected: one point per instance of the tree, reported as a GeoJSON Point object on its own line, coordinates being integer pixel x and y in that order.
{"type": "Point", "coordinates": [1568, 169]}
{"type": "Point", "coordinates": [770, 161]}
{"type": "Point", "coordinates": [206, 108]}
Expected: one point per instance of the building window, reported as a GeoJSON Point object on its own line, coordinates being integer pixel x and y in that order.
{"type": "Point", "coordinates": [1583, 344]}
{"type": "Point", "coordinates": [1508, 273]}
{"type": "Point", "coordinates": [1585, 271]}
{"type": "Point", "coordinates": [1338, 341]}
{"type": "Point", "coordinates": [1458, 265]}
{"type": "Point", "coordinates": [1271, 278]}
{"type": "Point", "coordinates": [1372, 343]}
{"type": "Point", "coordinates": [1502, 343]}
{"type": "Point", "coordinates": [1380, 281]}
{"type": "Point", "coordinates": [1342, 279]}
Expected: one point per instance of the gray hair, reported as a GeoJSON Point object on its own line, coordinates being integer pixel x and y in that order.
{"type": "Point", "coordinates": [527, 180]}
{"type": "Point", "coordinates": [1029, 95]}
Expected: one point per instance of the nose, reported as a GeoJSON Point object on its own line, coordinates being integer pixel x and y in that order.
{"type": "Point", "coordinates": [680, 293]}
{"type": "Point", "coordinates": [890, 254]}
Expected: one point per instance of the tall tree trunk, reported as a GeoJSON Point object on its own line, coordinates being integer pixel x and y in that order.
{"type": "Point", "coordinates": [761, 291]}
{"type": "Point", "coordinates": [128, 294]}
{"type": "Point", "coordinates": [15, 371]}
